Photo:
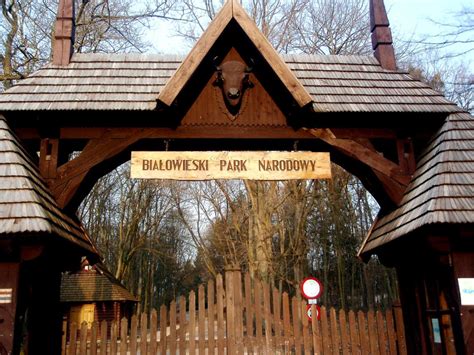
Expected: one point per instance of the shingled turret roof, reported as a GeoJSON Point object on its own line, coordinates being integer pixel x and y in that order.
{"type": "Point", "coordinates": [27, 208]}
{"type": "Point", "coordinates": [442, 188]}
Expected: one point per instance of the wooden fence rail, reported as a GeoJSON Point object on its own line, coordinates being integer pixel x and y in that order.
{"type": "Point", "coordinates": [238, 317]}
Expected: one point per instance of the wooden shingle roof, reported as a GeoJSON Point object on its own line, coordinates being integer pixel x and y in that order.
{"type": "Point", "coordinates": [93, 286]}
{"type": "Point", "coordinates": [134, 81]}
{"type": "Point", "coordinates": [27, 208]}
{"type": "Point", "coordinates": [442, 188]}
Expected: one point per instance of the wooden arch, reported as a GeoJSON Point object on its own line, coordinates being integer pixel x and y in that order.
{"type": "Point", "coordinates": [280, 113]}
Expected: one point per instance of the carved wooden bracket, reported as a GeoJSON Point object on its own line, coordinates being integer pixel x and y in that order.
{"type": "Point", "coordinates": [395, 178]}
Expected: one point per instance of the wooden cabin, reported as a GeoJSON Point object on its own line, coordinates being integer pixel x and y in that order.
{"type": "Point", "coordinates": [411, 147]}
{"type": "Point", "coordinates": [94, 294]}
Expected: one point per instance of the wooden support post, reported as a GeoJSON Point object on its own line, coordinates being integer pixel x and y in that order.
{"type": "Point", "coordinates": [48, 160]}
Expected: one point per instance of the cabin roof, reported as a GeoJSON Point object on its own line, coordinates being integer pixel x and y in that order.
{"type": "Point", "coordinates": [27, 208]}
{"type": "Point", "coordinates": [93, 286]}
{"type": "Point", "coordinates": [134, 82]}
{"type": "Point", "coordinates": [441, 190]}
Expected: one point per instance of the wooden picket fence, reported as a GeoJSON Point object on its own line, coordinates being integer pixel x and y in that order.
{"type": "Point", "coordinates": [240, 318]}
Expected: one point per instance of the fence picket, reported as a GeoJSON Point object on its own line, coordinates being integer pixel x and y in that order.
{"type": "Point", "coordinates": [296, 325]}
{"type": "Point", "coordinates": [220, 315]}
{"type": "Point", "coordinates": [355, 340]}
{"type": "Point", "coordinates": [153, 345]}
{"type": "Point", "coordinates": [326, 336]}
{"type": "Point", "coordinates": [113, 337]}
{"type": "Point", "coordinates": [249, 311]}
{"type": "Point", "coordinates": [364, 337]}
{"type": "Point", "coordinates": [317, 346]}
{"type": "Point", "coordinates": [382, 333]}
{"type": "Point", "coordinates": [238, 305]}
{"type": "Point", "coordinates": [123, 336]}
{"type": "Point", "coordinates": [103, 337]}
{"type": "Point", "coordinates": [392, 343]}
{"type": "Point", "coordinates": [163, 324]}
{"type": "Point", "coordinates": [182, 325]}
{"type": "Point", "coordinates": [72, 339]}
{"type": "Point", "coordinates": [93, 348]}
{"type": "Point", "coordinates": [211, 316]}
{"type": "Point", "coordinates": [345, 339]}
{"type": "Point", "coordinates": [133, 334]}
{"type": "Point", "coordinates": [201, 319]}
{"type": "Point", "coordinates": [305, 331]}
{"type": "Point", "coordinates": [373, 334]}
{"type": "Point", "coordinates": [83, 339]}
{"type": "Point", "coordinates": [268, 317]}
{"type": "Point", "coordinates": [258, 315]}
{"type": "Point", "coordinates": [400, 331]}
{"type": "Point", "coordinates": [335, 334]}
{"type": "Point", "coordinates": [192, 323]}
{"type": "Point", "coordinates": [287, 323]}
{"type": "Point", "coordinates": [172, 337]}
{"type": "Point", "coordinates": [143, 333]}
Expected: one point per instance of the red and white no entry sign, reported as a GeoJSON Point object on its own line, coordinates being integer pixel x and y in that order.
{"type": "Point", "coordinates": [309, 313]}
{"type": "Point", "coordinates": [311, 288]}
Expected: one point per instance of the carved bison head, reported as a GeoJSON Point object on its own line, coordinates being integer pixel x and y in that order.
{"type": "Point", "coordinates": [233, 79]}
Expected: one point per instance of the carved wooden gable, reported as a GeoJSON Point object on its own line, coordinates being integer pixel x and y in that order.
{"type": "Point", "coordinates": [256, 106]}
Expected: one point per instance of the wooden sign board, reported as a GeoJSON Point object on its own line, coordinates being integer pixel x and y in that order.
{"type": "Point", "coordinates": [230, 165]}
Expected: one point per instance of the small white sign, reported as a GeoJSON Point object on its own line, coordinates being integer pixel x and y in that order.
{"type": "Point", "coordinates": [466, 289]}
{"type": "Point", "coordinates": [6, 295]}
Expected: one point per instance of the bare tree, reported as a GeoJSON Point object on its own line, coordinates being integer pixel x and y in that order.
{"type": "Point", "coordinates": [110, 26]}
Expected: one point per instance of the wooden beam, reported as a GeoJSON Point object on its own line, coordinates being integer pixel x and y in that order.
{"type": "Point", "coordinates": [176, 83]}
{"type": "Point", "coordinates": [48, 159]}
{"type": "Point", "coordinates": [294, 86]}
{"type": "Point", "coordinates": [72, 174]}
{"type": "Point", "coordinates": [393, 178]}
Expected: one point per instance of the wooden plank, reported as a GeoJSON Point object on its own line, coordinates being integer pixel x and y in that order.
{"type": "Point", "coordinates": [153, 345]}
{"type": "Point", "coordinates": [345, 337]}
{"type": "Point", "coordinates": [123, 336]}
{"type": "Point", "coordinates": [113, 337]}
{"type": "Point", "coordinates": [296, 324]}
{"type": "Point", "coordinates": [230, 165]}
{"type": "Point", "coordinates": [93, 348]}
{"type": "Point", "coordinates": [249, 310]}
{"type": "Point", "coordinates": [277, 320]}
{"type": "Point", "coordinates": [133, 334]}
{"type": "Point", "coordinates": [402, 348]}
{"type": "Point", "coordinates": [267, 313]}
{"type": "Point", "coordinates": [182, 325]}
{"type": "Point", "coordinates": [220, 315]}
{"type": "Point", "coordinates": [382, 333]}
{"type": "Point", "coordinates": [201, 319]}
{"type": "Point", "coordinates": [364, 336]}
{"type": "Point", "coordinates": [238, 304]}
{"type": "Point", "coordinates": [143, 332]}
{"type": "Point", "coordinates": [64, 337]}
{"type": "Point", "coordinates": [230, 311]}
{"type": "Point", "coordinates": [355, 339]}
{"type": "Point", "coordinates": [172, 337]}
{"type": "Point", "coordinates": [326, 336]}
{"type": "Point", "coordinates": [289, 80]}
{"type": "Point", "coordinates": [163, 325]}
{"type": "Point", "coordinates": [373, 336]}
{"type": "Point", "coordinates": [103, 338]}
{"type": "Point", "coordinates": [211, 317]}
{"type": "Point", "coordinates": [83, 339]}
{"type": "Point", "coordinates": [192, 323]}
{"type": "Point", "coordinates": [182, 75]}
{"type": "Point", "coordinates": [315, 332]}
{"type": "Point", "coordinates": [287, 333]}
{"type": "Point", "coordinates": [336, 339]}
{"type": "Point", "coordinates": [392, 342]}
{"type": "Point", "coordinates": [305, 330]}
{"type": "Point", "coordinates": [72, 339]}
{"type": "Point", "coordinates": [258, 314]}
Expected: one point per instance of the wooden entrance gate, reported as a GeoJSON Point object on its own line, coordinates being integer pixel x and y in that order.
{"type": "Point", "coordinates": [240, 316]}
